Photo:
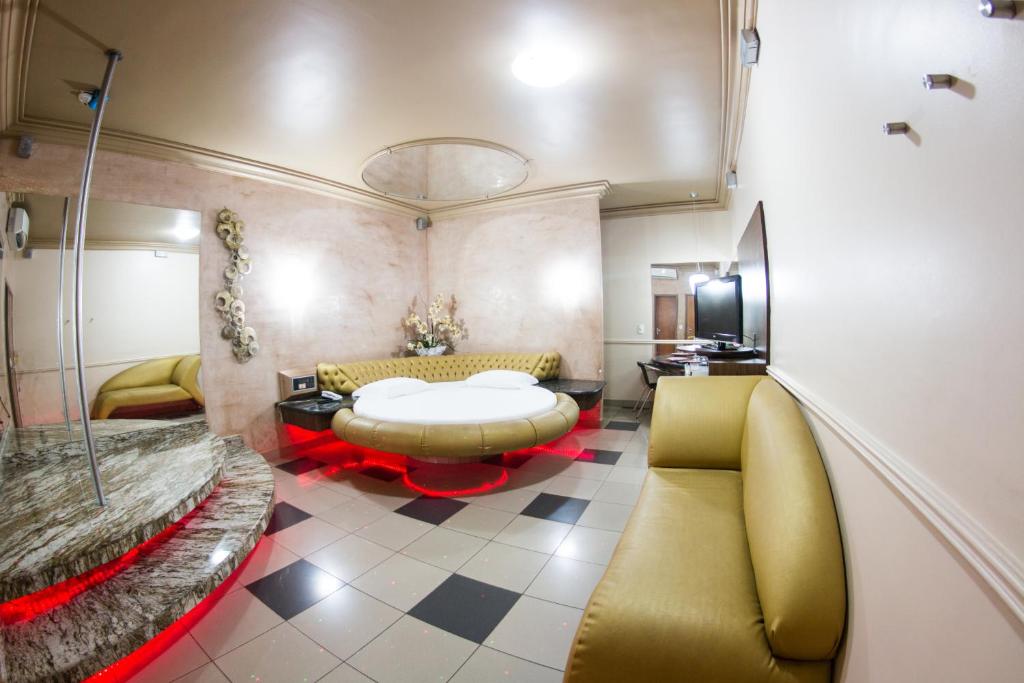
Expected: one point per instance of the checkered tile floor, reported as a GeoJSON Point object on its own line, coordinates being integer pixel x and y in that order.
{"type": "Point", "coordinates": [360, 578]}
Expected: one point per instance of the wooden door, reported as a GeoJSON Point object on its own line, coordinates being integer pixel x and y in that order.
{"type": "Point", "coordinates": [691, 318]}
{"type": "Point", "coordinates": [666, 319]}
{"type": "Point", "coordinates": [12, 375]}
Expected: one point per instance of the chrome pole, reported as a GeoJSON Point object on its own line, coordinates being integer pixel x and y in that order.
{"type": "Point", "coordinates": [60, 315]}
{"type": "Point", "coordinates": [113, 57]}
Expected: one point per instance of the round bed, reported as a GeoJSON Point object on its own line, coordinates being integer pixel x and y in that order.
{"type": "Point", "coordinates": [453, 422]}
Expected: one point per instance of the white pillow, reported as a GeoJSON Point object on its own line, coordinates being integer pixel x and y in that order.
{"type": "Point", "coordinates": [502, 379]}
{"type": "Point", "coordinates": [391, 388]}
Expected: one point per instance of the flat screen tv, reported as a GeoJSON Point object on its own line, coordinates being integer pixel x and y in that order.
{"type": "Point", "coordinates": [718, 309]}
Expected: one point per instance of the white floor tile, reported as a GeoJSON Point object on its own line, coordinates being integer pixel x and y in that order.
{"type": "Point", "coordinates": [527, 480]}
{"type": "Point", "coordinates": [412, 651]}
{"type": "Point", "coordinates": [236, 619]}
{"type": "Point", "coordinates": [505, 566]}
{"type": "Point", "coordinates": [538, 631]}
{"type": "Point", "coordinates": [350, 557]}
{"type": "Point", "coordinates": [444, 548]}
{"type": "Point", "coordinates": [308, 536]}
{"type": "Point", "coordinates": [547, 465]}
{"type": "Point", "coordinates": [587, 470]}
{"type": "Point", "coordinates": [627, 475]}
{"type": "Point", "coordinates": [614, 492]}
{"type": "Point", "coordinates": [345, 621]}
{"type": "Point", "coordinates": [490, 666]}
{"type": "Point", "coordinates": [204, 674]}
{"type": "Point", "coordinates": [290, 488]}
{"type": "Point", "coordinates": [589, 545]}
{"type": "Point", "coordinates": [394, 531]}
{"type": "Point", "coordinates": [609, 516]}
{"type": "Point", "coordinates": [281, 654]}
{"type": "Point", "coordinates": [182, 657]}
{"type": "Point", "coordinates": [509, 500]}
{"type": "Point", "coordinates": [636, 459]}
{"type": "Point", "coordinates": [574, 487]}
{"type": "Point", "coordinates": [401, 581]}
{"type": "Point", "coordinates": [392, 497]}
{"type": "Point", "coordinates": [541, 535]}
{"type": "Point", "coordinates": [479, 521]}
{"type": "Point", "coordinates": [354, 514]}
{"type": "Point", "coordinates": [267, 558]}
{"type": "Point", "coordinates": [345, 674]}
{"type": "Point", "coordinates": [319, 499]}
{"type": "Point", "coordinates": [567, 582]}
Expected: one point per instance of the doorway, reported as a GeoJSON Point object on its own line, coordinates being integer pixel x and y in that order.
{"type": "Point", "coordinates": [666, 321]}
{"type": "Point", "coordinates": [11, 355]}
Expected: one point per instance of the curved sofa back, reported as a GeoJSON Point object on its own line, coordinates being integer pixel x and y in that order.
{"type": "Point", "coordinates": [146, 374]}
{"type": "Point", "coordinates": [751, 424]}
{"type": "Point", "coordinates": [344, 378]}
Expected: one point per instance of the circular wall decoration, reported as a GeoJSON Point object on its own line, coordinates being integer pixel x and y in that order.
{"type": "Point", "coordinates": [228, 302]}
{"type": "Point", "coordinates": [445, 169]}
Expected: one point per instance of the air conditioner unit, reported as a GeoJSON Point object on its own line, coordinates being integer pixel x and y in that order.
{"type": "Point", "coordinates": [665, 273]}
{"type": "Point", "coordinates": [17, 227]}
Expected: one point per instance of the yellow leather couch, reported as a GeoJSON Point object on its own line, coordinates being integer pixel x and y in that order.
{"type": "Point", "coordinates": [451, 442]}
{"type": "Point", "coordinates": [731, 567]}
{"type": "Point", "coordinates": [156, 387]}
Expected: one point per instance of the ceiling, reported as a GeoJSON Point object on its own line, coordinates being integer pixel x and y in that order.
{"type": "Point", "coordinates": [316, 87]}
{"type": "Point", "coordinates": [112, 224]}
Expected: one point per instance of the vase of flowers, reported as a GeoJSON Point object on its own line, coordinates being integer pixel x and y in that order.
{"type": "Point", "coordinates": [438, 333]}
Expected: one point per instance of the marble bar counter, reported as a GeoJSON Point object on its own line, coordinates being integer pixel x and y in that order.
{"type": "Point", "coordinates": [51, 527]}
{"type": "Point", "coordinates": [95, 628]}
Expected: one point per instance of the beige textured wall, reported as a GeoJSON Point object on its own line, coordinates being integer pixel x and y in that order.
{"type": "Point", "coordinates": [529, 279]}
{"type": "Point", "coordinates": [331, 279]}
{"type": "Point", "coordinates": [865, 233]}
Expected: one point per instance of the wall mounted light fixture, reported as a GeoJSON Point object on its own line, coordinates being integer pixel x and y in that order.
{"type": "Point", "coordinates": [937, 81]}
{"type": "Point", "coordinates": [732, 181]}
{"type": "Point", "coordinates": [750, 47]}
{"type": "Point", "coordinates": [895, 128]}
{"type": "Point", "coordinates": [998, 9]}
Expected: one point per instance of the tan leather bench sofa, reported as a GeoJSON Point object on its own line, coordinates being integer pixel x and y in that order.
{"type": "Point", "coordinates": [165, 386]}
{"type": "Point", "coordinates": [731, 568]}
{"type": "Point", "coordinates": [449, 443]}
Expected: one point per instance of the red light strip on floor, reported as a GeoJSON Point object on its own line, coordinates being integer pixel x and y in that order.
{"type": "Point", "coordinates": [30, 606]}
{"type": "Point", "coordinates": [436, 493]}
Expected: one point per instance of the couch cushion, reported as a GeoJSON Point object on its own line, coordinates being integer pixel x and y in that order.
{"type": "Point", "coordinates": [147, 374]}
{"type": "Point", "coordinates": [345, 378]}
{"type": "Point", "coordinates": [792, 529]}
{"type": "Point", "coordinates": [109, 401]}
{"type": "Point", "coordinates": [678, 601]}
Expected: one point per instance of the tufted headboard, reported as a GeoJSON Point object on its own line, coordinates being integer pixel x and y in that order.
{"type": "Point", "coordinates": [344, 378]}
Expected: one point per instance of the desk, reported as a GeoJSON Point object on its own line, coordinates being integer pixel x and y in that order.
{"type": "Point", "coordinates": [724, 366]}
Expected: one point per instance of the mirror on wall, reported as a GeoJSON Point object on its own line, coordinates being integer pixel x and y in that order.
{"type": "Point", "coordinates": [141, 316]}
{"type": "Point", "coordinates": [672, 292]}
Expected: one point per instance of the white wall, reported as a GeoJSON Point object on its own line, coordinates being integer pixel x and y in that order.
{"type": "Point", "coordinates": [629, 247]}
{"type": "Point", "coordinates": [865, 235]}
{"type": "Point", "coordinates": [136, 306]}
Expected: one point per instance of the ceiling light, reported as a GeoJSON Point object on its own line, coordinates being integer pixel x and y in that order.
{"type": "Point", "coordinates": [697, 279]}
{"type": "Point", "coordinates": [544, 67]}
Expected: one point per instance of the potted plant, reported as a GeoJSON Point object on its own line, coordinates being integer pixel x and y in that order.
{"type": "Point", "coordinates": [438, 333]}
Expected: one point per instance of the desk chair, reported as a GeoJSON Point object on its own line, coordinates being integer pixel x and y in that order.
{"type": "Point", "coordinates": [649, 374]}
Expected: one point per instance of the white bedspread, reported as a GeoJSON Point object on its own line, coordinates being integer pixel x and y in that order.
{"type": "Point", "coordinates": [458, 403]}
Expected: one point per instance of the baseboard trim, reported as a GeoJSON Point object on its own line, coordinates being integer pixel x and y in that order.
{"type": "Point", "coordinates": [980, 549]}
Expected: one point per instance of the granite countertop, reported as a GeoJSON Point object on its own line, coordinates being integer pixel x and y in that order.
{"type": "Point", "coordinates": [51, 528]}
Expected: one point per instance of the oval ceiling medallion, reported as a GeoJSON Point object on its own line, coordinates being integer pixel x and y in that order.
{"type": "Point", "coordinates": [445, 170]}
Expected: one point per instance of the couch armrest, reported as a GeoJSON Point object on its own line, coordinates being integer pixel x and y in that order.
{"type": "Point", "coordinates": [698, 421]}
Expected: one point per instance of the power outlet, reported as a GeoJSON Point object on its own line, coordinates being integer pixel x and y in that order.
{"type": "Point", "coordinates": [641, 329]}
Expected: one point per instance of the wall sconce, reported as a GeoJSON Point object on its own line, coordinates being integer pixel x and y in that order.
{"type": "Point", "coordinates": [937, 81]}
{"type": "Point", "coordinates": [750, 47]}
{"type": "Point", "coordinates": [732, 180]}
{"type": "Point", "coordinates": [998, 9]}
{"type": "Point", "coordinates": [895, 128]}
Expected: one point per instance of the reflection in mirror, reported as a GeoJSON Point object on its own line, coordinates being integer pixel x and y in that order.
{"type": "Point", "coordinates": [141, 326]}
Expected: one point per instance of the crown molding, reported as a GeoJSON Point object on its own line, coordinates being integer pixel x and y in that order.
{"type": "Point", "coordinates": [662, 209]}
{"type": "Point", "coordinates": [975, 545]}
{"type": "Point", "coordinates": [594, 189]}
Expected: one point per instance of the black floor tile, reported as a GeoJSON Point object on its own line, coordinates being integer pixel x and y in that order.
{"type": "Point", "coordinates": [624, 426]}
{"type": "Point", "coordinates": [382, 473]}
{"type": "Point", "coordinates": [284, 516]}
{"type": "Point", "coordinates": [431, 510]}
{"type": "Point", "coordinates": [556, 508]}
{"type": "Point", "coordinates": [468, 608]}
{"type": "Point", "coordinates": [510, 460]}
{"type": "Point", "coordinates": [599, 456]}
{"type": "Point", "coordinates": [300, 465]}
{"type": "Point", "coordinates": [295, 588]}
